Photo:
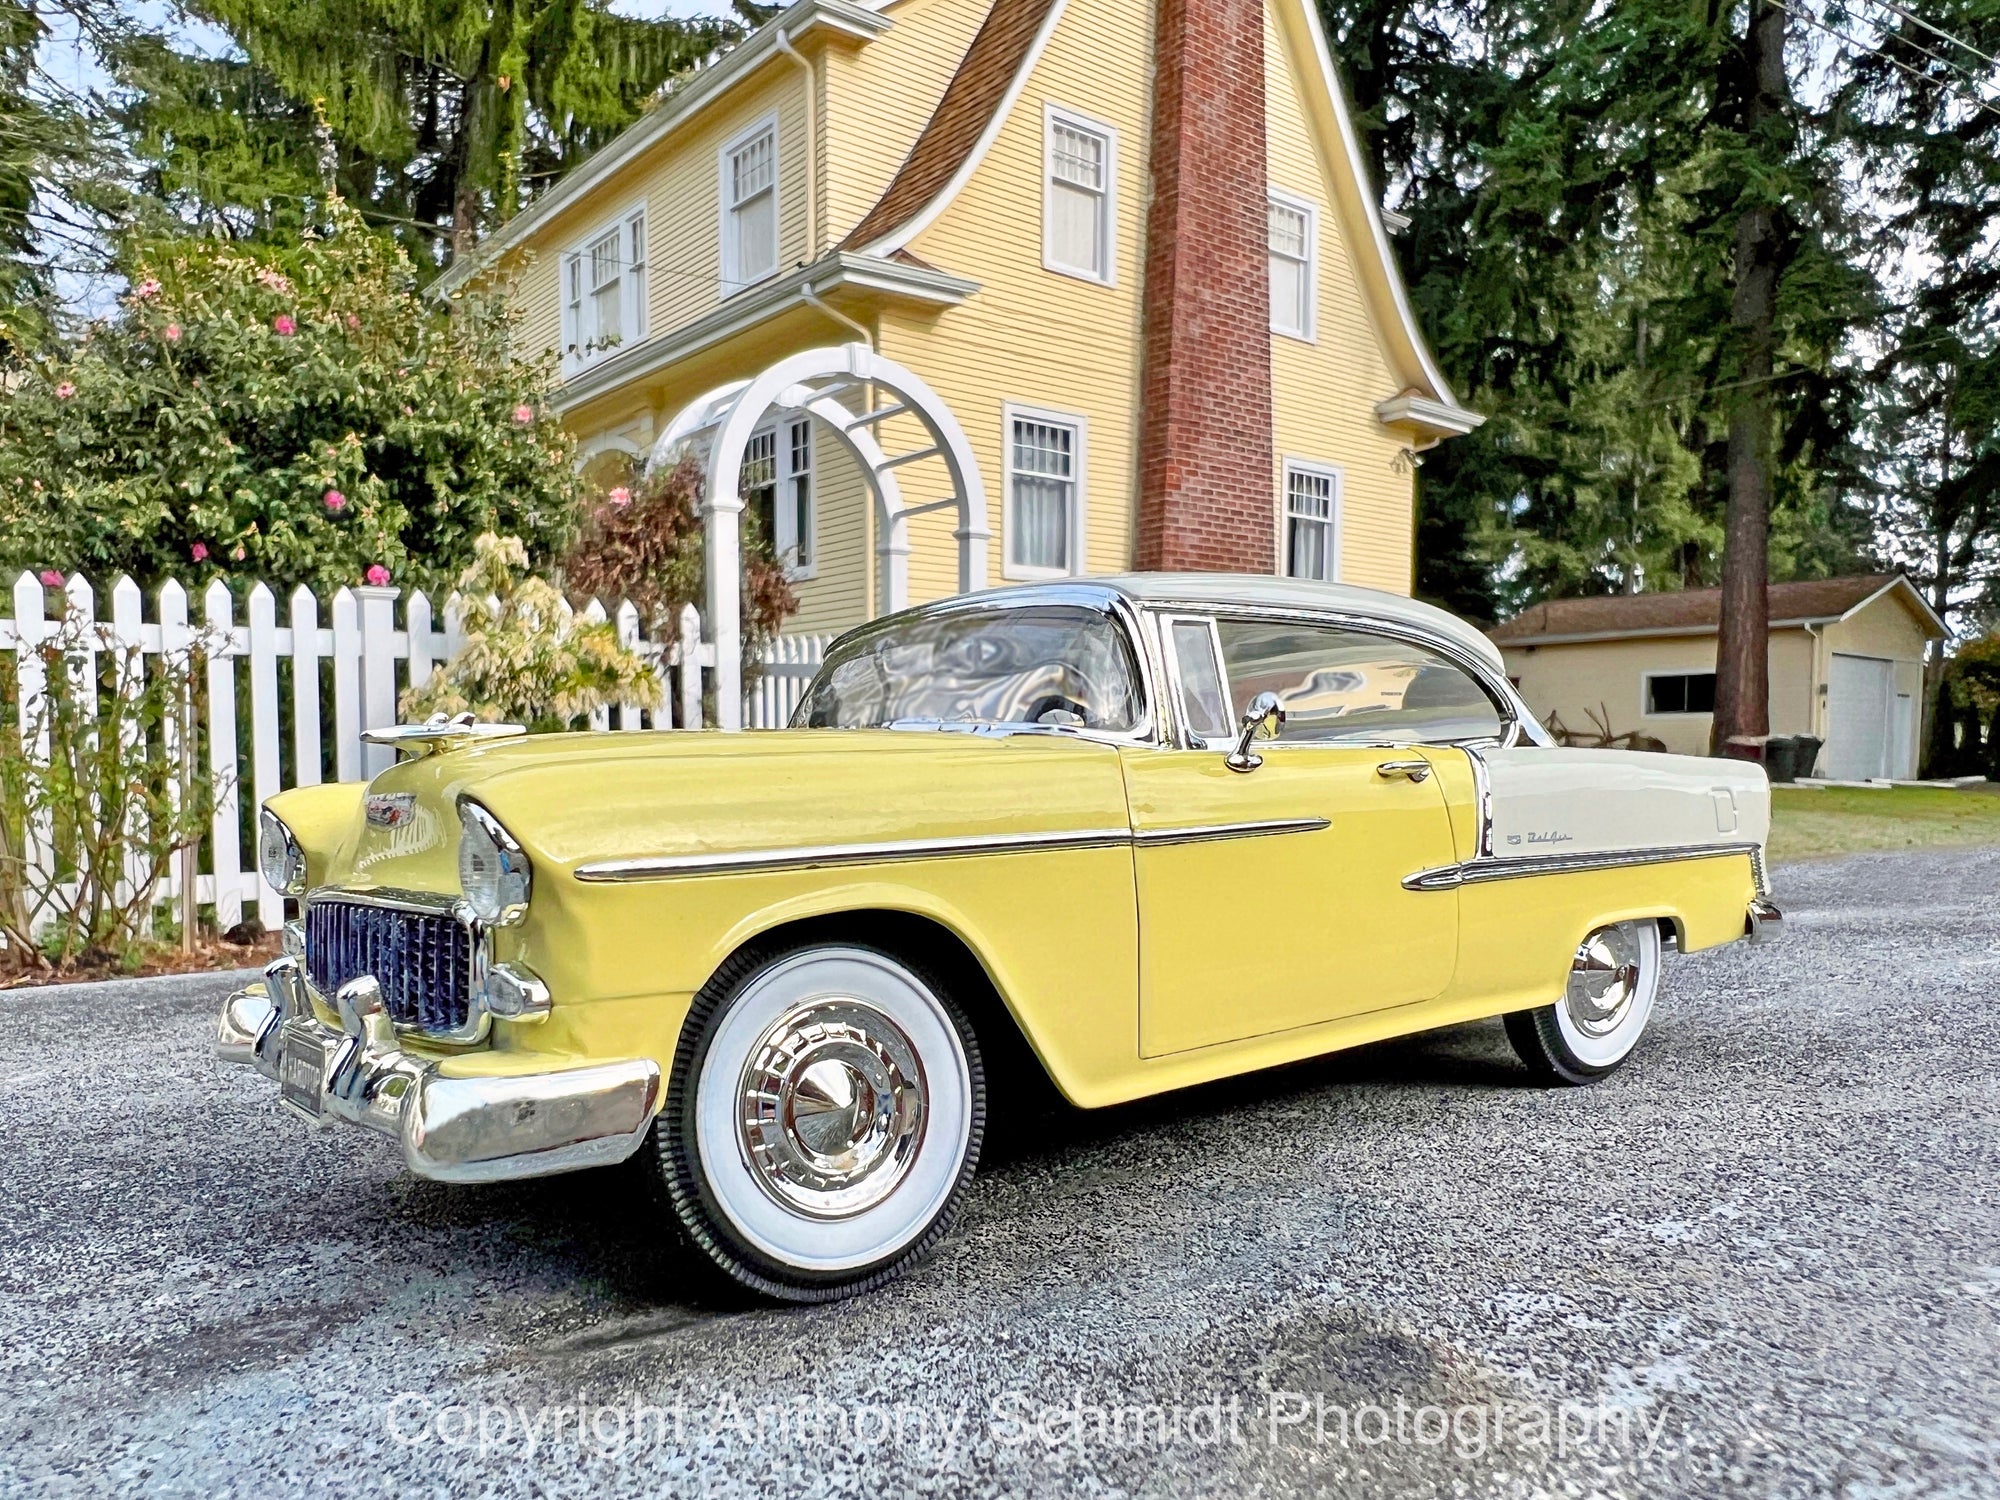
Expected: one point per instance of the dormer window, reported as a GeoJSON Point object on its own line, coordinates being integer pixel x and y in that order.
{"type": "Point", "coordinates": [749, 168]}
{"type": "Point", "coordinates": [604, 291]}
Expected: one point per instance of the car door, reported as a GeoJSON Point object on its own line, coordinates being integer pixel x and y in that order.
{"type": "Point", "coordinates": [1274, 898]}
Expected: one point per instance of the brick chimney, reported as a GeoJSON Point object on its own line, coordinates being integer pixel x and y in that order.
{"type": "Point", "coordinates": [1205, 461]}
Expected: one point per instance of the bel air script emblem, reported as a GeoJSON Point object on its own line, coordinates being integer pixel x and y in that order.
{"type": "Point", "coordinates": [1541, 838]}
{"type": "Point", "coordinates": [390, 809]}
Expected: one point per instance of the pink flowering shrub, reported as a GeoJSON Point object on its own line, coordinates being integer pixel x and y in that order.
{"type": "Point", "coordinates": [377, 574]}
{"type": "Point", "coordinates": [240, 406]}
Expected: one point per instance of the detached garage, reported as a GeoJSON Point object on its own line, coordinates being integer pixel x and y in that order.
{"type": "Point", "coordinates": [1846, 654]}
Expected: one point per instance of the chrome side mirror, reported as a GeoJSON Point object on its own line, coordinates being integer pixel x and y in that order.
{"type": "Point", "coordinates": [1261, 720]}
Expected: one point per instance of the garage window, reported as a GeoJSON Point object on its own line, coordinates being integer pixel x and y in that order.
{"type": "Point", "coordinates": [1680, 692]}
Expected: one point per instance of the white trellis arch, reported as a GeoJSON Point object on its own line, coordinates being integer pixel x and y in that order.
{"type": "Point", "coordinates": [812, 382]}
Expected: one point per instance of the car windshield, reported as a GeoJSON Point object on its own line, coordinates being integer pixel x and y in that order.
{"type": "Point", "coordinates": [1058, 666]}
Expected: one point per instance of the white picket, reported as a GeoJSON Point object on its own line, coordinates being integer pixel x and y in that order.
{"type": "Point", "coordinates": [417, 620]}
{"type": "Point", "coordinates": [128, 640]}
{"type": "Point", "coordinates": [307, 751]}
{"type": "Point", "coordinates": [225, 842]}
{"type": "Point", "coordinates": [346, 686]}
{"type": "Point", "coordinates": [176, 641]}
{"type": "Point", "coordinates": [378, 670]}
{"type": "Point", "coordinates": [371, 660]}
{"type": "Point", "coordinates": [30, 686]}
{"type": "Point", "coordinates": [264, 734]}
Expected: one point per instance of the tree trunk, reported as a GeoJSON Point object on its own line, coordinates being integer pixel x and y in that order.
{"type": "Point", "coordinates": [1742, 653]}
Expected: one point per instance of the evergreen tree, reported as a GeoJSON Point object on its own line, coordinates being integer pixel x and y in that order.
{"type": "Point", "coordinates": [434, 118]}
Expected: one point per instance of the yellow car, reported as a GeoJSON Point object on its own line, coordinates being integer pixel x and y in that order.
{"type": "Point", "coordinates": [1131, 832]}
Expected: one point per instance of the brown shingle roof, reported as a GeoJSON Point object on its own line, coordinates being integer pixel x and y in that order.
{"type": "Point", "coordinates": [1692, 610]}
{"type": "Point", "coordinates": [968, 103]}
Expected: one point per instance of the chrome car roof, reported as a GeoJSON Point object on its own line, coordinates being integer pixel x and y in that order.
{"type": "Point", "coordinates": [1259, 591]}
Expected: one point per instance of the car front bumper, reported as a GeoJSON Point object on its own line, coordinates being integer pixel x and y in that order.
{"type": "Point", "coordinates": [484, 1128]}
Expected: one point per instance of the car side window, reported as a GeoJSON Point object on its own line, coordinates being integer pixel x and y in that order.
{"type": "Point", "coordinates": [1204, 703]}
{"type": "Point", "coordinates": [1339, 685]}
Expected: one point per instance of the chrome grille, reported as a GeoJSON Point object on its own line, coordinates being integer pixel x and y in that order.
{"type": "Point", "coordinates": [422, 959]}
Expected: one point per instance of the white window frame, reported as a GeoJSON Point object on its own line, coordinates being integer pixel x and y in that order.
{"type": "Point", "coordinates": [1338, 476]}
{"type": "Point", "coordinates": [1052, 115]}
{"type": "Point", "coordinates": [1647, 711]}
{"type": "Point", "coordinates": [578, 327]}
{"type": "Point", "coordinates": [1011, 412]}
{"type": "Point", "coordinates": [1309, 309]}
{"type": "Point", "coordinates": [727, 241]}
{"type": "Point", "coordinates": [780, 429]}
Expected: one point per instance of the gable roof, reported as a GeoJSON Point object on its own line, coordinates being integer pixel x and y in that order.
{"type": "Point", "coordinates": [989, 78]}
{"type": "Point", "coordinates": [1815, 601]}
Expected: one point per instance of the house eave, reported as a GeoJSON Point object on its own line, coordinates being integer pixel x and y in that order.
{"type": "Point", "coordinates": [1440, 418]}
{"type": "Point", "coordinates": [1655, 633]}
{"type": "Point", "coordinates": [840, 270]}
{"type": "Point", "coordinates": [695, 92]}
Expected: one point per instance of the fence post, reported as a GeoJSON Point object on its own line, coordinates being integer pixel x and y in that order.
{"type": "Point", "coordinates": [630, 715]}
{"type": "Point", "coordinates": [417, 625]}
{"type": "Point", "coordinates": [177, 734]}
{"type": "Point", "coordinates": [264, 737]}
{"type": "Point", "coordinates": [306, 765]}
{"type": "Point", "coordinates": [378, 669]}
{"type": "Point", "coordinates": [346, 686]}
{"type": "Point", "coordinates": [128, 638]}
{"type": "Point", "coordinates": [690, 654]}
{"type": "Point", "coordinates": [225, 843]}
{"type": "Point", "coordinates": [31, 688]}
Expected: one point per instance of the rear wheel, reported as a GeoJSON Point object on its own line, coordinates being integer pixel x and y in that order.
{"type": "Point", "coordinates": [1614, 978]}
{"type": "Point", "coordinates": [825, 1116]}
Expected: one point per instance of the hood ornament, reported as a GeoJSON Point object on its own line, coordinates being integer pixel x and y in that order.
{"type": "Point", "coordinates": [438, 734]}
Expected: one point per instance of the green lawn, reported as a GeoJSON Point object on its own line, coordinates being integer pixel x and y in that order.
{"type": "Point", "coordinates": [1842, 820]}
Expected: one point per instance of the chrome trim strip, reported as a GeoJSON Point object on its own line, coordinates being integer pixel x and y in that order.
{"type": "Point", "coordinates": [813, 856]}
{"type": "Point", "coordinates": [1489, 867]}
{"type": "Point", "coordinates": [1482, 793]}
{"type": "Point", "coordinates": [1154, 838]}
{"type": "Point", "coordinates": [888, 851]}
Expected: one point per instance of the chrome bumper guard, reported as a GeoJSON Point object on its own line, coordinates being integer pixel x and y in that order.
{"type": "Point", "coordinates": [485, 1129]}
{"type": "Point", "coordinates": [1764, 923]}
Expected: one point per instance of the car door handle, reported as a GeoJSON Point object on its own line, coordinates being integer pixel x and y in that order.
{"type": "Point", "coordinates": [1409, 770]}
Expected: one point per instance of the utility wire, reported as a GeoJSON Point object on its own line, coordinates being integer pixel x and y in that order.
{"type": "Point", "coordinates": [1916, 73]}
{"type": "Point", "coordinates": [1917, 20]}
{"type": "Point", "coordinates": [1939, 58]}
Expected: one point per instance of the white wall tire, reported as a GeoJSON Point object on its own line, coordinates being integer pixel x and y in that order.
{"type": "Point", "coordinates": [825, 1115]}
{"type": "Point", "coordinates": [1608, 997]}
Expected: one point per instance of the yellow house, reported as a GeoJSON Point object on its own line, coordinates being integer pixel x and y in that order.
{"type": "Point", "coordinates": [1846, 664]}
{"type": "Point", "coordinates": [1041, 287]}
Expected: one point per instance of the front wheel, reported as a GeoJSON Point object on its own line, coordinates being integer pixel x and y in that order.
{"type": "Point", "coordinates": [1614, 978]}
{"type": "Point", "coordinates": [825, 1115]}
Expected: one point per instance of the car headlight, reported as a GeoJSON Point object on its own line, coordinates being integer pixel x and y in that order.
{"type": "Point", "coordinates": [279, 855]}
{"type": "Point", "coordinates": [492, 870]}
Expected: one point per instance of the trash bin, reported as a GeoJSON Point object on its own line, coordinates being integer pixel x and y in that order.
{"type": "Point", "coordinates": [1781, 758]}
{"type": "Point", "coordinates": [1805, 755]}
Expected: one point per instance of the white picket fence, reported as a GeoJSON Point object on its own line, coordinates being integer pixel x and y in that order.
{"type": "Point", "coordinates": [370, 656]}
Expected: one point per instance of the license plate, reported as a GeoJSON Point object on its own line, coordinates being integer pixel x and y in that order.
{"type": "Point", "coordinates": [302, 1074]}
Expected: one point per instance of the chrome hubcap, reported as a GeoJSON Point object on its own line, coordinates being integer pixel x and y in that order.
{"type": "Point", "coordinates": [832, 1108]}
{"type": "Point", "coordinates": [1603, 979]}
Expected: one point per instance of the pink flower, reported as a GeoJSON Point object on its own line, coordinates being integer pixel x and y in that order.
{"type": "Point", "coordinates": [620, 496]}
{"type": "Point", "coordinates": [146, 289]}
{"type": "Point", "coordinates": [284, 325]}
{"type": "Point", "coordinates": [377, 574]}
{"type": "Point", "coordinates": [352, 321]}
{"type": "Point", "coordinates": [52, 578]}
{"type": "Point", "coordinates": [524, 414]}
{"type": "Point", "coordinates": [66, 390]}
{"type": "Point", "coordinates": [199, 552]}
{"type": "Point", "coordinates": [335, 501]}
{"type": "Point", "coordinates": [239, 554]}
{"type": "Point", "coordinates": [173, 333]}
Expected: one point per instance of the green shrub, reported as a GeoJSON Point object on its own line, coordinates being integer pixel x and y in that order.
{"type": "Point", "coordinates": [298, 415]}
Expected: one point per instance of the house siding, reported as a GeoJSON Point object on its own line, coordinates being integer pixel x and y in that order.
{"type": "Point", "coordinates": [1324, 392]}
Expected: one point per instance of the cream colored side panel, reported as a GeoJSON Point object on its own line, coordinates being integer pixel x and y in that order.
{"type": "Point", "coordinates": [1585, 801]}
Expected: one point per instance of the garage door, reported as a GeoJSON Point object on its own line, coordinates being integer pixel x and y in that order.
{"type": "Point", "coordinates": [1860, 697]}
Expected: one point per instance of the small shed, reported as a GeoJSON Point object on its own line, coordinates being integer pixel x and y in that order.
{"type": "Point", "coordinates": [1846, 654]}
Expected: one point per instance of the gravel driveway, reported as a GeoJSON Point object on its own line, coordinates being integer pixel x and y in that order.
{"type": "Point", "coordinates": [1764, 1259]}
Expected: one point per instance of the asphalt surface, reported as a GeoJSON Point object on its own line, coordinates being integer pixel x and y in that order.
{"type": "Point", "coordinates": [1763, 1260]}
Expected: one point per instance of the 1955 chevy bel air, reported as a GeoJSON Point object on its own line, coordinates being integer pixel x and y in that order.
{"type": "Point", "coordinates": [1135, 832]}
